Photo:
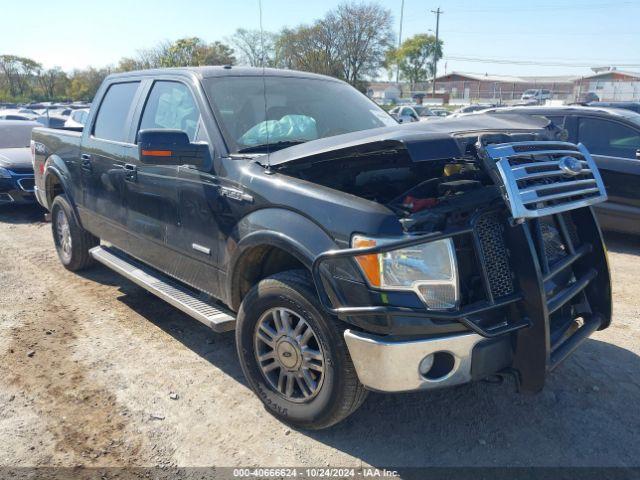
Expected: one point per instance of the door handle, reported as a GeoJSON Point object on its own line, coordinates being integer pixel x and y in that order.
{"type": "Point", "coordinates": [130, 172]}
{"type": "Point", "coordinates": [85, 162]}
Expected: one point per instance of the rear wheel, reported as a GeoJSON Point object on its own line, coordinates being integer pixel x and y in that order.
{"type": "Point", "coordinates": [294, 355]}
{"type": "Point", "coordinates": [71, 240]}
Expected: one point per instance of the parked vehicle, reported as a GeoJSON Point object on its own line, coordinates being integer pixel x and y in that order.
{"type": "Point", "coordinates": [415, 113]}
{"type": "Point", "coordinates": [613, 138]}
{"type": "Point", "coordinates": [537, 95]}
{"type": "Point", "coordinates": [440, 112]}
{"type": "Point", "coordinates": [16, 114]}
{"type": "Point", "coordinates": [476, 107]}
{"type": "Point", "coordinates": [77, 119]}
{"type": "Point", "coordinates": [633, 106]}
{"type": "Point", "coordinates": [52, 121]}
{"type": "Point", "coordinates": [16, 171]}
{"type": "Point", "coordinates": [348, 252]}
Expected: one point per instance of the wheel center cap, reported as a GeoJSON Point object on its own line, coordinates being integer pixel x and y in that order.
{"type": "Point", "coordinates": [287, 354]}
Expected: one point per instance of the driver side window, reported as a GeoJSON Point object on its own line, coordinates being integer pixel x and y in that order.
{"type": "Point", "coordinates": [171, 106]}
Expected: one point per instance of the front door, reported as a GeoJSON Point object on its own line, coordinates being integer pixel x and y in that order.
{"type": "Point", "coordinates": [165, 203]}
{"type": "Point", "coordinates": [613, 146]}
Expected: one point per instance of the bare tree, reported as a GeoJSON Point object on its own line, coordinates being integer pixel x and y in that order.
{"type": "Point", "coordinates": [254, 47]}
{"type": "Point", "coordinates": [365, 35]}
{"type": "Point", "coordinates": [52, 82]}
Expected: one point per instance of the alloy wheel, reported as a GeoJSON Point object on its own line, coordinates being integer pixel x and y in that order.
{"type": "Point", "coordinates": [289, 354]}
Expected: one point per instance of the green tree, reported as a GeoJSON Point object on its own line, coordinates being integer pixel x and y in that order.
{"type": "Point", "coordinates": [415, 57]}
{"type": "Point", "coordinates": [84, 84]}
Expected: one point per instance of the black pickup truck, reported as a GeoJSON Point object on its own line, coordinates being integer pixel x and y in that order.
{"type": "Point", "coordinates": [348, 252]}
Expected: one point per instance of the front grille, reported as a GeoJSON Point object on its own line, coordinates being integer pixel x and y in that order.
{"type": "Point", "coordinates": [543, 178]}
{"type": "Point", "coordinates": [490, 232]}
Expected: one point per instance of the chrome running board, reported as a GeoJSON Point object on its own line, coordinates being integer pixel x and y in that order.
{"type": "Point", "coordinates": [206, 311]}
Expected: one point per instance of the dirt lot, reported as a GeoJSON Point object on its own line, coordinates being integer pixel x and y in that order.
{"type": "Point", "coordinates": [94, 371]}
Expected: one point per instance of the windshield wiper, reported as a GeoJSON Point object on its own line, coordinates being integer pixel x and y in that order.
{"type": "Point", "coordinates": [263, 147]}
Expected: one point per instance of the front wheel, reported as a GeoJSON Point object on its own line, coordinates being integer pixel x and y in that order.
{"type": "Point", "coordinates": [294, 355]}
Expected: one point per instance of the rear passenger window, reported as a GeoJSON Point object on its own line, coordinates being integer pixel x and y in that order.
{"type": "Point", "coordinates": [111, 123]}
{"type": "Point", "coordinates": [171, 106]}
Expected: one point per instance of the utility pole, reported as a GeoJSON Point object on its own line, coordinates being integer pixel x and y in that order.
{"type": "Point", "coordinates": [400, 41]}
{"type": "Point", "coordinates": [438, 12]}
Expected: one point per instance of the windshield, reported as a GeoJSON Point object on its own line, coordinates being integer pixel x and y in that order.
{"type": "Point", "coordinates": [15, 136]}
{"type": "Point", "coordinates": [530, 92]}
{"type": "Point", "coordinates": [297, 110]}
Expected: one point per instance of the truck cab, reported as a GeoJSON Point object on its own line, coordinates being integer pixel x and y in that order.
{"type": "Point", "coordinates": [348, 252]}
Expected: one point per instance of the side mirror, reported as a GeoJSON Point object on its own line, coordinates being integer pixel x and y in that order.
{"type": "Point", "coordinates": [170, 147]}
{"type": "Point", "coordinates": [638, 154]}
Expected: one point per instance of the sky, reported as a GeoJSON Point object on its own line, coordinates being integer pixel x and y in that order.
{"type": "Point", "coordinates": [485, 36]}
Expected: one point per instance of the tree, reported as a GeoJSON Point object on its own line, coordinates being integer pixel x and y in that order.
{"type": "Point", "coordinates": [18, 75]}
{"type": "Point", "coordinates": [255, 47]}
{"type": "Point", "coordinates": [52, 82]}
{"type": "Point", "coordinates": [364, 35]}
{"type": "Point", "coordinates": [185, 52]}
{"type": "Point", "coordinates": [348, 43]}
{"type": "Point", "coordinates": [84, 84]}
{"type": "Point", "coordinates": [309, 48]}
{"type": "Point", "coordinates": [415, 57]}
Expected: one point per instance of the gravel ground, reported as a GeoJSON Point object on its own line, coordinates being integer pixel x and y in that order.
{"type": "Point", "coordinates": [94, 371]}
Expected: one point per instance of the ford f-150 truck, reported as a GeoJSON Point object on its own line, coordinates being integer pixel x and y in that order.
{"type": "Point", "coordinates": [348, 252]}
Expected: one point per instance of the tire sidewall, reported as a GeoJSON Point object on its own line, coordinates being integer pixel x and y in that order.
{"type": "Point", "coordinates": [61, 203]}
{"type": "Point", "coordinates": [279, 295]}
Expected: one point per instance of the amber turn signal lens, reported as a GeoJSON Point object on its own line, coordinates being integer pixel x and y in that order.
{"type": "Point", "coordinates": [156, 153]}
{"type": "Point", "coordinates": [369, 263]}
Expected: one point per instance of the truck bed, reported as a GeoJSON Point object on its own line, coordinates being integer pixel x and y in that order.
{"type": "Point", "coordinates": [49, 145]}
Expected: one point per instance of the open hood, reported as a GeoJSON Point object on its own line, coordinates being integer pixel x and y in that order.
{"type": "Point", "coordinates": [423, 141]}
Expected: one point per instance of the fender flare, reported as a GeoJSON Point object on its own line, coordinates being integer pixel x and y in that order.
{"type": "Point", "coordinates": [56, 168]}
{"type": "Point", "coordinates": [276, 227]}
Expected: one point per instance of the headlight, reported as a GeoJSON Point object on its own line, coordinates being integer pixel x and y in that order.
{"type": "Point", "coordinates": [429, 269]}
{"type": "Point", "coordinates": [4, 173]}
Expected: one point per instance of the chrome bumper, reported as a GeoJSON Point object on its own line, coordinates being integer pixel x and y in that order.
{"type": "Point", "coordinates": [393, 366]}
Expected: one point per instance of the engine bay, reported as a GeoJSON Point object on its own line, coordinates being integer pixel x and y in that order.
{"type": "Point", "coordinates": [426, 196]}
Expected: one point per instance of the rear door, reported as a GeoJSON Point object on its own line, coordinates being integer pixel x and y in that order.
{"type": "Point", "coordinates": [613, 145]}
{"type": "Point", "coordinates": [102, 162]}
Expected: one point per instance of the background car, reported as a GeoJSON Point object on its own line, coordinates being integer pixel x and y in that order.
{"type": "Point", "coordinates": [538, 95]}
{"type": "Point", "coordinates": [440, 112]}
{"type": "Point", "coordinates": [16, 170]}
{"type": "Point", "coordinates": [77, 119]}
{"type": "Point", "coordinates": [17, 114]}
{"type": "Point", "coordinates": [612, 136]}
{"type": "Point", "coordinates": [476, 107]}
{"type": "Point", "coordinates": [411, 113]}
{"type": "Point", "coordinates": [633, 106]}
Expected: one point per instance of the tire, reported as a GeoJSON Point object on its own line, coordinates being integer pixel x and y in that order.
{"type": "Point", "coordinates": [338, 391]}
{"type": "Point", "coordinates": [72, 245]}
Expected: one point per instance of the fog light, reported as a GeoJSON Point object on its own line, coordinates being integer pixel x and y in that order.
{"type": "Point", "coordinates": [425, 365]}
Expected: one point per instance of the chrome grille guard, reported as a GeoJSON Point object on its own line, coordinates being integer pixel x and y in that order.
{"type": "Point", "coordinates": [542, 178]}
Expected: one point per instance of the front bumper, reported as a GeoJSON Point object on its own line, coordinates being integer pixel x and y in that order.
{"type": "Point", "coordinates": [394, 366]}
{"type": "Point", "coordinates": [553, 307]}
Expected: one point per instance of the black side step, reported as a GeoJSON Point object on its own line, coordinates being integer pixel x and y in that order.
{"type": "Point", "coordinates": [211, 314]}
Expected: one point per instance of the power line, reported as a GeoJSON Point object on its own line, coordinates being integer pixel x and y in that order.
{"type": "Point", "coordinates": [549, 8]}
{"type": "Point", "coordinates": [540, 63]}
